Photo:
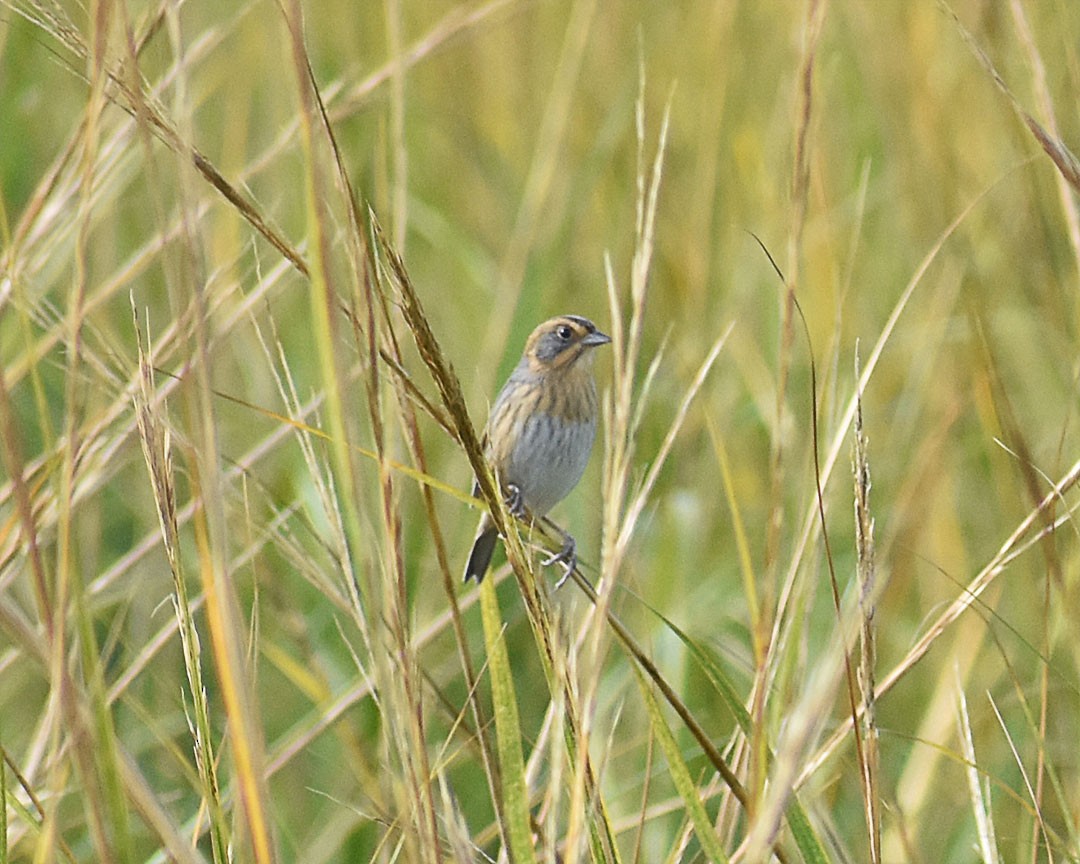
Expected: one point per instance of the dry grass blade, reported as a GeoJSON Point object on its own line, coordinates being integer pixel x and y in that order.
{"type": "Point", "coordinates": [155, 439]}
{"type": "Point", "coordinates": [640, 499]}
{"type": "Point", "coordinates": [33, 815]}
{"type": "Point", "coordinates": [1019, 541]}
{"type": "Point", "coordinates": [810, 32]}
{"type": "Point", "coordinates": [536, 605]}
{"type": "Point", "coordinates": [442, 371]}
{"type": "Point", "coordinates": [619, 522]}
{"type": "Point", "coordinates": [15, 468]}
{"type": "Point", "coordinates": [626, 348]}
{"type": "Point", "coordinates": [231, 618]}
{"type": "Point", "coordinates": [543, 173]}
{"type": "Point", "coordinates": [619, 447]}
{"type": "Point", "coordinates": [111, 819]}
{"type": "Point", "coordinates": [985, 820]}
{"type": "Point", "coordinates": [866, 577]}
{"type": "Point", "coordinates": [978, 787]}
{"type": "Point", "coordinates": [1067, 164]}
{"type": "Point", "coordinates": [812, 519]}
{"type": "Point", "coordinates": [137, 103]}
{"type": "Point", "coordinates": [235, 684]}
{"type": "Point", "coordinates": [1046, 108]}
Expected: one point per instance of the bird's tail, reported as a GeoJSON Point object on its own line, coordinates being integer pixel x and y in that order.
{"type": "Point", "coordinates": [482, 550]}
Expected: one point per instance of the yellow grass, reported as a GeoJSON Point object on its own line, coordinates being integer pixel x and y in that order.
{"type": "Point", "coordinates": [232, 524]}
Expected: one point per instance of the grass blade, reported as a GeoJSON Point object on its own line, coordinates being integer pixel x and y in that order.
{"type": "Point", "coordinates": [680, 775]}
{"type": "Point", "coordinates": [516, 830]}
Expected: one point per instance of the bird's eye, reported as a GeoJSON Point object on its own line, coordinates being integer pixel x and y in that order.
{"type": "Point", "coordinates": [564, 333]}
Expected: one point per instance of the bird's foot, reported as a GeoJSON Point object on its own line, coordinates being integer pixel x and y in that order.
{"type": "Point", "coordinates": [515, 500]}
{"type": "Point", "coordinates": [567, 557]}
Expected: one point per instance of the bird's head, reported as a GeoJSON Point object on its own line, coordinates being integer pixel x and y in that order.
{"type": "Point", "coordinates": [562, 342]}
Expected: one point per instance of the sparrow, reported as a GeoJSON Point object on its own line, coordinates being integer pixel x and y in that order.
{"type": "Point", "coordinates": [540, 432]}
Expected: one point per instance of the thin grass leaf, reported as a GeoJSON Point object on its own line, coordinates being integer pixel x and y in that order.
{"type": "Point", "coordinates": [516, 830]}
{"type": "Point", "coordinates": [978, 793]}
{"type": "Point", "coordinates": [32, 816]}
{"type": "Point", "coordinates": [712, 668]}
{"type": "Point", "coordinates": [1018, 542]}
{"type": "Point", "coordinates": [1066, 163]}
{"type": "Point", "coordinates": [868, 588]}
{"type": "Point", "coordinates": [1036, 726]}
{"type": "Point", "coordinates": [113, 834]}
{"type": "Point", "coordinates": [757, 622]}
{"type": "Point", "coordinates": [155, 439]}
{"type": "Point", "coordinates": [3, 809]}
{"type": "Point", "coordinates": [680, 775]}
{"type": "Point", "coordinates": [798, 822]}
{"type": "Point", "coordinates": [806, 838]}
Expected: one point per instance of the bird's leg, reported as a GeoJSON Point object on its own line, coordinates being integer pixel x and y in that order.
{"type": "Point", "coordinates": [567, 556]}
{"type": "Point", "coordinates": [515, 500]}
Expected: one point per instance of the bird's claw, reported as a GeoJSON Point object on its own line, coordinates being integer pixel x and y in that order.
{"type": "Point", "coordinates": [567, 557]}
{"type": "Point", "coordinates": [515, 500]}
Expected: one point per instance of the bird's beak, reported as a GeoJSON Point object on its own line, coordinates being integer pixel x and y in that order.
{"type": "Point", "coordinates": [596, 338]}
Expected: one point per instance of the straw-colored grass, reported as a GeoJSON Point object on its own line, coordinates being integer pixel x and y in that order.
{"type": "Point", "coordinates": [263, 267]}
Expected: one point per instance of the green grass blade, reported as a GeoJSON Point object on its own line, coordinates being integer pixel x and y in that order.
{"type": "Point", "coordinates": [805, 836]}
{"type": "Point", "coordinates": [710, 665]}
{"type": "Point", "coordinates": [516, 829]}
{"type": "Point", "coordinates": [680, 776]}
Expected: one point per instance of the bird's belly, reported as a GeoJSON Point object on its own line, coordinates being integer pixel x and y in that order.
{"type": "Point", "coordinates": [549, 459]}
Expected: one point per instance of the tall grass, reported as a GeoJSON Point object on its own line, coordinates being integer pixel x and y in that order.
{"type": "Point", "coordinates": [264, 266]}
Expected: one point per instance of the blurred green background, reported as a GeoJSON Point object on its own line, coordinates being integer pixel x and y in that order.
{"type": "Point", "coordinates": [505, 167]}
